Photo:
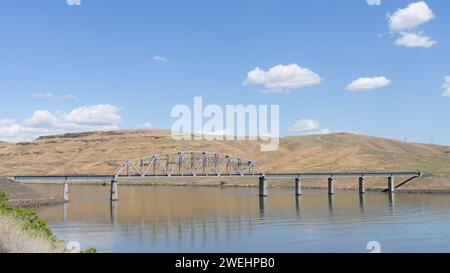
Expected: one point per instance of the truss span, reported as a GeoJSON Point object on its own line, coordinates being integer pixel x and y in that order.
{"type": "Point", "coordinates": [188, 163]}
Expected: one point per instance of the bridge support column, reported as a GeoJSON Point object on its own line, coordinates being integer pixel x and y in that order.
{"type": "Point", "coordinates": [262, 186]}
{"type": "Point", "coordinates": [66, 190]}
{"type": "Point", "coordinates": [362, 185]}
{"type": "Point", "coordinates": [391, 186]}
{"type": "Point", "coordinates": [331, 183]}
{"type": "Point", "coordinates": [298, 186]}
{"type": "Point", "coordinates": [114, 191]}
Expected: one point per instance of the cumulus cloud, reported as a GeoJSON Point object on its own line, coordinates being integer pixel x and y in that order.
{"type": "Point", "coordinates": [414, 15]}
{"type": "Point", "coordinates": [46, 95]}
{"type": "Point", "coordinates": [6, 122]}
{"type": "Point", "coordinates": [94, 115]}
{"type": "Point", "coordinates": [374, 2]}
{"type": "Point", "coordinates": [405, 21]}
{"type": "Point", "coordinates": [50, 95]}
{"type": "Point", "coordinates": [42, 119]}
{"type": "Point", "coordinates": [366, 83]}
{"type": "Point", "coordinates": [84, 118]}
{"type": "Point", "coordinates": [446, 87]}
{"type": "Point", "coordinates": [308, 126]}
{"type": "Point", "coordinates": [282, 78]}
{"type": "Point", "coordinates": [160, 59]}
{"type": "Point", "coordinates": [69, 97]}
{"type": "Point", "coordinates": [146, 125]}
{"type": "Point", "coordinates": [17, 132]}
{"type": "Point", "coordinates": [411, 39]}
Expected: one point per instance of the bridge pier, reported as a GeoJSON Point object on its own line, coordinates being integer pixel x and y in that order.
{"type": "Point", "coordinates": [331, 184]}
{"type": "Point", "coordinates": [66, 190]}
{"type": "Point", "coordinates": [298, 186]}
{"type": "Point", "coordinates": [362, 185]}
{"type": "Point", "coordinates": [114, 190]}
{"type": "Point", "coordinates": [262, 186]}
{"type": "Point", "coordinates": [391, 186]}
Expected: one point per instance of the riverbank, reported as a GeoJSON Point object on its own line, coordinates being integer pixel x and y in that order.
{"type": "Point", "coordinates": [21, 231]}
{"type": "Point", "coordinates": [20, 195]}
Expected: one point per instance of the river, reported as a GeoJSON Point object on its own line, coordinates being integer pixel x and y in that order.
{"type": "Point", "coordinates": [196, 219]}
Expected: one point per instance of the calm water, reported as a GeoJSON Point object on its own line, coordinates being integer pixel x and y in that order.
{"type": "Point", "coordinates": [184, 219]}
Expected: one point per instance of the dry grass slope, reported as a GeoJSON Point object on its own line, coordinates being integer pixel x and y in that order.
{"type": "Point", "coordinates": [103, 152]}
{"type": "Point", "coordinates": [15, 239]}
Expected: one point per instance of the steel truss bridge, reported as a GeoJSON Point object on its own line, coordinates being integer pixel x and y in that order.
{"type": "Point", "coordinates": [214, 164]}
{"type": "Point", "coordinates": [190, 163]}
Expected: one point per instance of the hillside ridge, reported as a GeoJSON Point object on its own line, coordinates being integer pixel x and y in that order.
{"type": "Point", "coordinates": [103, 152]}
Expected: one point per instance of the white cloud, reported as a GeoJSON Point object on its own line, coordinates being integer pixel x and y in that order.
{"type": "Point", "coordinates": [16, 132]}
{"type": "Point", "coordinates": [147, 125]}
{"type": "Point", "coordinates": [160, 59]}
{"type": "Point", "coordinates": [42, 119]}
{"type": "Point", "coordinates": [47, 95]}
{"type": "Point", "coordinates": [405, 21]}
{"type": "Point", "coordinates": [365, 83]}
{"type": "Point", "coordinates": [411, 39]}
{"type": "Point", "coordinates": [308, 126]}
{"type": "Point", "coordinates": [69, 97]}
{"type": "Point", "coordinates": [414, 15]}
{"type": "Point", "coordinates": [6, 122]}
{"type": "Point", "coordinates": [446, 87]}
{"type": "Point", "coordinates": [374, 2]}
{"type": "Point", "coordinates": [94, 115]}
{"type": "Point", "coordinates": [282, 78]}
{"type": "Point", "coordinates": [85, 118]}
{"type": "Point", "coordinates": [50, 95]}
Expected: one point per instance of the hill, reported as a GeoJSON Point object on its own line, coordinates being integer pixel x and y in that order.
{"type": "Point", "coordinates": [103, 152]}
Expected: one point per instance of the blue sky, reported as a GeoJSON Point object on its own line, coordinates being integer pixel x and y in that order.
{"type": "Point", "coordinates": [93, 66]}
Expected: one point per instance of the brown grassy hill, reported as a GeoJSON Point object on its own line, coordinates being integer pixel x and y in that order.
{"type": "Point", "coordinates": [103, 152]}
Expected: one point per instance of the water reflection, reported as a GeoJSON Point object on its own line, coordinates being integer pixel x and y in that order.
{"type": "Point", "coordinates": [391, 201]}
{"type": "Point", "coordinates": [65, 212]}
{"type": "Point", "coordinates": [362, 201]}
{"type": "Point", "coordinates": [298, 204]}
{"type": "Point", "coordinates": [114, 205]}
{"type": "Point", "coordinates": [167, 219]}
{"type": "Point", "coordinates": [331, 203]}
{"type": "Point", "coordinates": [262, 206]}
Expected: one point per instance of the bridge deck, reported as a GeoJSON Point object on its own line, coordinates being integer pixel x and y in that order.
{"type": "Point", "coordinates": [269, 176]}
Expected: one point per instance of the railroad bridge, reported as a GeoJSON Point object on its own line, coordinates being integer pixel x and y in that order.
{"type": "Point", "coordinates": [215, 164]}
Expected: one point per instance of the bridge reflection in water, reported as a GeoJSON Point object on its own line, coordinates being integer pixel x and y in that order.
{"type": "Point", "coordinates": [200, 216]}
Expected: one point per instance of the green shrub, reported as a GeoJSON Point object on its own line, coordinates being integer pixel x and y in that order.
{"type": "Point", "coordinates": [89, 250]}
{"type": "Point", "coordinates": [3, 197]}
{"type": "Point", "coordinates": [29, 218]}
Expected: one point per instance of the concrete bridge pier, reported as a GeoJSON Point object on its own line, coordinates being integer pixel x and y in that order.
{"type": "Point", "coordinates": [262, 186]}
{"type": "Point", "coordinates": [114, 190]}
{"type": "Point", "coordinates": [66, 190]}
{"type": "Point", "coordinates": [391, 186]}
{"type": "Point", "coordinates": [298, 186]}
{"type": "Point", "coordinates": [362, 185]}
{"type": "Point", "coordinates": [331, 184]}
